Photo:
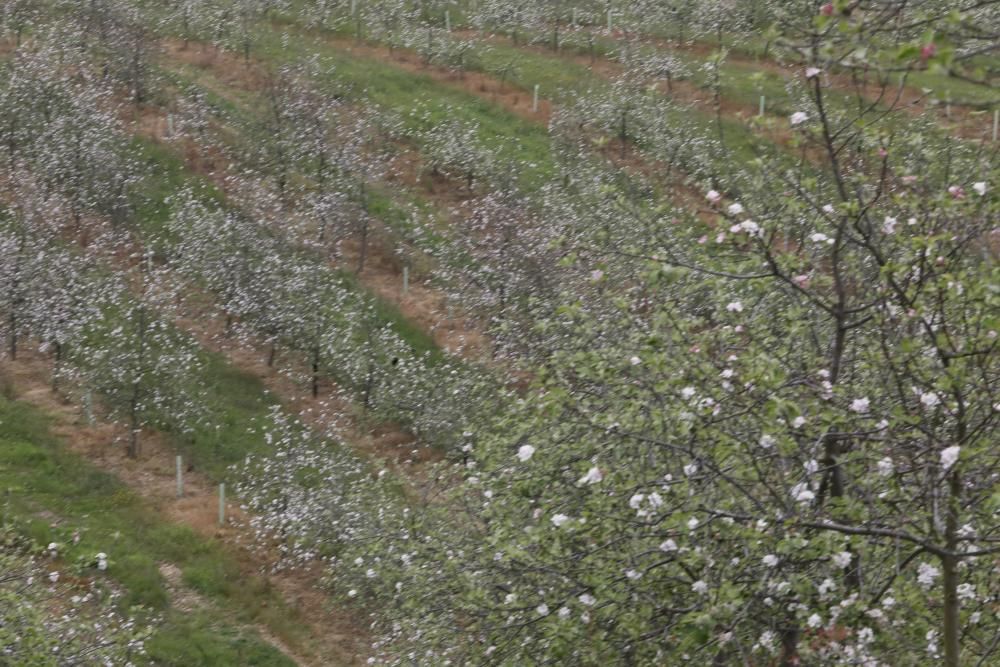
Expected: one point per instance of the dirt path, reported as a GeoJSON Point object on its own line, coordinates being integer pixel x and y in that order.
{"type": "Point", "coordinates": [335, 637]}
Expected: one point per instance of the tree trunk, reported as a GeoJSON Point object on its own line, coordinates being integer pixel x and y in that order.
{"type": "Point", "coordinates": [315, 372]}
{"type": "Point", "coordinates": [950, 578]}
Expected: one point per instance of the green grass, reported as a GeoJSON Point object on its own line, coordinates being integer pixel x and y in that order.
{"type": "Point", "coordinates": [393, 89]}
{"type": "Point", "coordinates": [51, 494]}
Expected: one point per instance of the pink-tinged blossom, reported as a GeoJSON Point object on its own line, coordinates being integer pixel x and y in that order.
{"type": "Point", "coordinates": [587, 599]}
{"type": "Point", "coordinates": [956, 191]}
{"type": "Point", "coordinates": [735, 208]}
{"type": "Point", "coordinates": [542, 609]}
{"type": "Point", "coordinates": [827, 9]}
{"type": "Point", "coordinates": [813, 72]}
{"type": "Point", "coordinates": [635, 361]}
{"type": "Point", "coordinates": [889, 225]}
{"type": "Point", "coordinates": [814, 621]}
{"type": "Point", "coordinates": [596, 275]}
{"type": "Point", "coordinates": [798, 118]}
{"type": "Point", "coordinates": [593, 476]}
{"type": "Point", "coordinates": [559, 520]}
{"type": "Point", "coordinates": [525, 452]}
{"type": "Point", "coordinates": [770, 560]}
{"type": "Point", "coordinates": [692, 523]}
{"type": "Point", "coordinates": [54, 577]}
{"type": "Point", "coordinates": [734, 307]}
{"type": "Point", "coordinates": [767, 441]}
{"type": "Point", "coordinates": [979, 188]}
{"type": "Point", "coordinates": [699, 587]}
{"type": "Point", "coordinates": [799, 422]}
{"type": "Point", "coordinates": [713, 196]}
{"type": "Point", "coordinates": [668, 545]}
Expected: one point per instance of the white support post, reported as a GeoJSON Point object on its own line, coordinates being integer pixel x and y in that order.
{"type": "Point", "coordinates": [761, 112]}
{"type": "Point", "coordinates": [610, 19]}
{"type": "Point", "coordinates": [406, 278]}
{"type": "Point", "coordinates": [572, 21]}
{"type": "Point", "coordinates": [996, 123]}
{"type": "Point", "coordinates": [88, 406]}
{"type": "Point", "coordinates": [170, 126]}
{"type": "Point", "coordinates": [447, 21]}
{"type": "Point", "coordinates": [534, 100]}
{"type": "Point", "coordinates": [222, 504]}
{"type": "Point", "coordinates": [354, 7]}
{"type": "Point", "coordinates": [180, 477]}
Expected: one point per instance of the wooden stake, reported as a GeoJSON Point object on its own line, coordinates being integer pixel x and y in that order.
{"type": "Point", "coordinates": [88, 406]}
{"type": "Point", "coordinates": [180, 477]}
{"type": "Point", "coordinates": [222, 504]}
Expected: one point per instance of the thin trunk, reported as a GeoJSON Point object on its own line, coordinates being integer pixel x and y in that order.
{"type": "Point", "coordinates": [950, 578]}
{"type": "Point", "coordinates": [364, 246]}
{"type": "Point", "coordinates": [133, 446]}
{"type": "Point", "coordinates": [56, 366]}
{"type": "Point", "coordinates": [13, 334]}
{"type": "Point", "coordinates": [315, 372]}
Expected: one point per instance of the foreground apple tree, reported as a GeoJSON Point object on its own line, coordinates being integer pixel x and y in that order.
{"type": "Point", "coordinates": [784, 453]}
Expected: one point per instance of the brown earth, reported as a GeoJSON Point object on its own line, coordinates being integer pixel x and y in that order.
{"type": "Point", "coordinates": [332, 633]}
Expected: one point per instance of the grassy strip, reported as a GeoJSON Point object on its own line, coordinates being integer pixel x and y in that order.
{"type": "Point", "coordinates": [54, 493]}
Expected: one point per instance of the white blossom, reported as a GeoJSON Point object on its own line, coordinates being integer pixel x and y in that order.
{"type": "Point", "coordinates": [949, 456]}
{"type": "Point", "coordinates": [926, 574]}
{"type": "Point", "coordinates": [525, 452]}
